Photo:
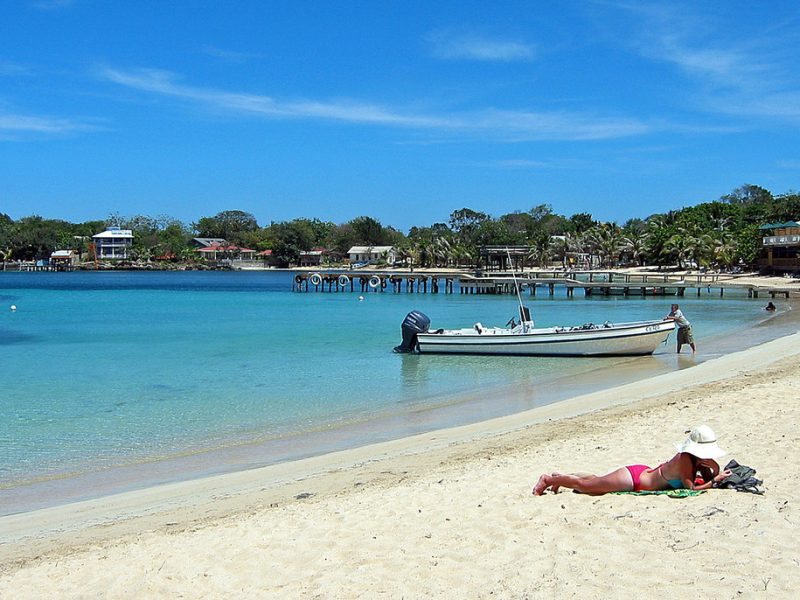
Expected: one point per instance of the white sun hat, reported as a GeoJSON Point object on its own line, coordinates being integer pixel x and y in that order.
{"type": "Point", "coordinates": [702, 443]}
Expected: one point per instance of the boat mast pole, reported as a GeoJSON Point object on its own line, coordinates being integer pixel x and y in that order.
{"type": "Point", "coordinates": [516, 287]}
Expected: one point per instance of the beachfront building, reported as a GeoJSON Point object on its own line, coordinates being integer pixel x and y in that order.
{"type": "Point", "coordinates": [113, 244]}
{"type": "Point", "coordinates": [781, 248]}
{"type": "Point", "coordinates": [500, 258]}
{"type": "Point", "coordinates": [63, 258]}
{"type": "Point", "coordinates": [311, 258]}
{"type": "Point", "coordinates": [216, 252]}
{"type": "Point", "coordinates": [359, 254]}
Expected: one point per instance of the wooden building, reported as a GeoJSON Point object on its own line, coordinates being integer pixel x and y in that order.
{"type": "Point", "coordinates": [780, 248]}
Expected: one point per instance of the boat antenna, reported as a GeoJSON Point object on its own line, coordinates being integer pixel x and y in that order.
{"type": "Point", "coordinates": [516, 287]}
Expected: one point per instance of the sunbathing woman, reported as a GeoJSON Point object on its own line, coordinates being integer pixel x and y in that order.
{"type": "Point", "coordinates": [695, 457]}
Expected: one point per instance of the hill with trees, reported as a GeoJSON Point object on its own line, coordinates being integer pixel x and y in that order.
{"type": "Point", "coordinates": [721, 233]}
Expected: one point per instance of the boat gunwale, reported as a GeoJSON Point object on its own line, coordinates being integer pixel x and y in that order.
{"type": "Point", "coordinates": [531, 336]}
{"type": "Point", "coordinates": [530, 342]}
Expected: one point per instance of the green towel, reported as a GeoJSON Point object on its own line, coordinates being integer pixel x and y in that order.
{"type": "Point", "coordinates": [681, 493]}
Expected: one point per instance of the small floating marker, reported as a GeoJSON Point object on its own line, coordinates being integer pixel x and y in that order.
{"type": "Point", "coordinates": [361, 298]}
{"type": "Point", "coordinates": [13, 307]}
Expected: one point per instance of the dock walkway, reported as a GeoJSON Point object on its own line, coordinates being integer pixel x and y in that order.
{"type": "Point", "coordinates": [591, 282]}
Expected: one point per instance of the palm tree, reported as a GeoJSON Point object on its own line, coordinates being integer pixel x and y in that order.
{"type": "Point", "coordinates": [566, 245]}
{"type": "Point", "coordinates": [606, 239]}
{"type": "Point", "coordinates": [461, 255]}
{"type": "Point", "coordinates": [540, 250]}
{"type": "Point", "coordinates": [635, 244]}
{"type": "Point", "coordinates": [678, 247]}
{"type": "Point", "coordinates": [724, 248]}
{"type": "Point", "coordinates": [700, 247]}
{"type": "Point", "coordinates": [659, 229]}
{"type": "Point", "coordinates": [403, 252]}
{"type": "Point", "coordinates": [441, 251]}
{"type": "Point", "coordinates": [725, 252]}
{"type": "Point", "coordinates": [560, 247]}
{"type": "Point", "coordinates": [414, 253]}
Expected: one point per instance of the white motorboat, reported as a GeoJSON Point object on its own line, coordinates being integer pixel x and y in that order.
{"type": "Point", "coordinates": [637, 338]}
{"type": "Point", "coordinates": [609, 339]}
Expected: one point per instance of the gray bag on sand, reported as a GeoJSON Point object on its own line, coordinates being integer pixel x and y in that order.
{"type": "Point", "coordinates": [741, 479]}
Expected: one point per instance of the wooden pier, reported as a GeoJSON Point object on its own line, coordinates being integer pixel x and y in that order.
{"type": "Point", "coordinates": [373, 281]}
{"type": "Point", "coordinates": [33, 267]}
{"type": "Point", "coordinates": [604, 283]}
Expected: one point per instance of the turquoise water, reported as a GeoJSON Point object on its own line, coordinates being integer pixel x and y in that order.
{"type": "Point", "coordinates": [107, 369]}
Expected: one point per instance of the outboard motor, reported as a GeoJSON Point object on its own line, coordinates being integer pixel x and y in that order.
{"type": "Point", "coordinates": [414, 323]}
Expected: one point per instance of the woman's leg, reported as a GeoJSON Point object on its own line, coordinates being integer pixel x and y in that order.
{"type": "Point", "coordinates": [616, 481]}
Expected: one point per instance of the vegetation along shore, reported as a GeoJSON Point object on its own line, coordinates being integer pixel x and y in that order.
{"type": "Point", "coordinates": [723, 234]}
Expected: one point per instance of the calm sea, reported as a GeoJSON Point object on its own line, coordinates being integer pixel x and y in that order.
{"type": "Point", "coordinates": [132, 378]}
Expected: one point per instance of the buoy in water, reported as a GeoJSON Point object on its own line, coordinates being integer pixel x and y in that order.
{"type": "Point", "coordinates": [361, 298]}
{"type": "Point", "coordinates": [13, 307]}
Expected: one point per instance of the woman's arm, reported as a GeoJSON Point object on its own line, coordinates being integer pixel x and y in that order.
{"type": "Point", "coordinates": [708, 484]}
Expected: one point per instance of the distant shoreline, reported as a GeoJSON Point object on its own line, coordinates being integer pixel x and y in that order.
{"type": "Point", "coordinates": [765, 283]}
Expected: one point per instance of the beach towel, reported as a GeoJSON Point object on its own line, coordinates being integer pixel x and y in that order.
{"type": "Point", "coordinates": [679, 493]}
{"type": "Point", "coordinates": [741, 479]}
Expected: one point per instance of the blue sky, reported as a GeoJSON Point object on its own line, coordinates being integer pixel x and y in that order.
{"type": "Point", "coordinates": [404, 111]}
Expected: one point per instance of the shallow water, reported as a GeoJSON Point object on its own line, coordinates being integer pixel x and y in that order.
{"type": "Point", "coordinates": [105, 375]}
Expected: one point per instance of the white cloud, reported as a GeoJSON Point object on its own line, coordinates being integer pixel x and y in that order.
{"type": "Point", "coordinates": [744, 75]}
{"type": "Point", "coordinates": [448, 45]}
{"type": "Point", "coordinates": [12, 68]}
{"type": "Point", "coordinates": [504, 125]}
{"type": "Point", "coordinates": [527, 164]}
{"type": "Point", "coordinates": [52, 4]}
{"type": "Point", "coordinates": [23, 123]}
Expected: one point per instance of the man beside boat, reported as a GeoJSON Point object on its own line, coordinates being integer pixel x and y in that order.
{"type": "Point", "coordinates": [684, 328]}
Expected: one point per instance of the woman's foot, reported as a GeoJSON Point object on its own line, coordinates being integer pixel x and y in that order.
{"type": "Point", "coordinates": [542, 485]}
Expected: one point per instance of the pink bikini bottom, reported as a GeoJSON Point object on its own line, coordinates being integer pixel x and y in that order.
{"type": "Point", "coordinates": [636, 473]}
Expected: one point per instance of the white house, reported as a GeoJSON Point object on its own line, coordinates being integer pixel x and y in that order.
{"type": "Point", "coordinates": [372, 253]}
{"type": "Point", "coordinates": [113, 243]}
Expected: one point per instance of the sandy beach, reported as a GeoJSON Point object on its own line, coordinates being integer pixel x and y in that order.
{"type": "Point", "coordinates": [450, 514]}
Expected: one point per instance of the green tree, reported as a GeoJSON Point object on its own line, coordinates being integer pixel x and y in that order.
{"type": "Point", "coordinates": [173, 239]}
{"type": "Point", "coordinates": [288, 239]}
{"type": "Point", "coordinates": [659, 229]}
{"type": "Point", "coordinates": [36, 238]}
{"type": "Point", "coordinates": [540, 249]}
{"type": "Point", "coordinates": [678, 248]}
{"type": "Point", "coordinates": [464, 221]}
{"type": "Point", "coordinates": [634, 244]}
{"type": "Point", "coordinates": [607, 242]}
{"type": "Point", "coordinates": [232, 225]}
{"type": "Point", "coordinates": [748, 194]}
{"type": "Point", "coordinates": [581, 222]}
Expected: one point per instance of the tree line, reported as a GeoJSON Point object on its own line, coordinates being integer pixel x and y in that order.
{"type": "Point", "coordinates": [721, 233]}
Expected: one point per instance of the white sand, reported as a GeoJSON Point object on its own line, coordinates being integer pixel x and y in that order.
{"type": "Point", "coordinates": [450, 514]}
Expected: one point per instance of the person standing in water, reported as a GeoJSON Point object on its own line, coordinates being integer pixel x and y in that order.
{"type": "Point", "coordinates": [684, 328]}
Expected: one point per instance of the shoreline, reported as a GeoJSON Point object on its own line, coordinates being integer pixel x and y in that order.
{"type": "Point", "coordinates": [184, 505]}
{"type": "Point", "coordinates": [463, 409]}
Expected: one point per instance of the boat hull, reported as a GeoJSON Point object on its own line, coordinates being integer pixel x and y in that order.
{"type": "Point", "coordinates": [626, 339]}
